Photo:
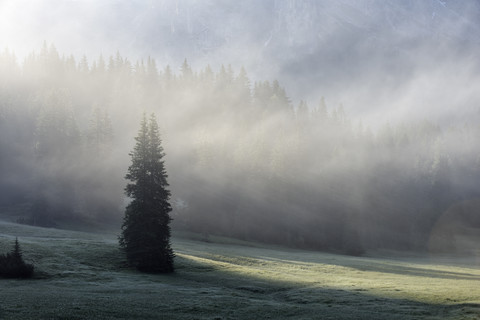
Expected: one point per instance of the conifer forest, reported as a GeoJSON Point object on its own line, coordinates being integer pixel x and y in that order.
{"type": "Point", "coordinates": [243, 159]}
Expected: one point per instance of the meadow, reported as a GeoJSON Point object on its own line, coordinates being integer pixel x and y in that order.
{"type": "Point", "coordinates": [82, 275]}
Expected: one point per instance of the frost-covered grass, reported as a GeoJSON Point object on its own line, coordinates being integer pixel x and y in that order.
{"type": "Point", "coordinates": [82, 276]}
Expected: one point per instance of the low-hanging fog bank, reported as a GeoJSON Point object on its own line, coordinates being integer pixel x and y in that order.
{"type": "Point", "coordinates": [242, 160]}
{"type": "Point", "coordinates": [383, 59]}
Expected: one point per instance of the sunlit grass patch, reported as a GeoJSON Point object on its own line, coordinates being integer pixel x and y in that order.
{"type": "Point", "coordinates": [84, 277]}
{"type": "Point", "coordinates": [416, 280]}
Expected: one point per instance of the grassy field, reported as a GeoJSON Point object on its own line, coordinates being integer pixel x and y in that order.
{"type": "Point", "coordinates": [82, 276]}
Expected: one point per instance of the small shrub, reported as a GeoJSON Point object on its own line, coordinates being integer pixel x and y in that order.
{"type": "Point", "coordinates": [13, 266]}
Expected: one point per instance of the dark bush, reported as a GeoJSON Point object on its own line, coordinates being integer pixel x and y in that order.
{"type": "Point", "coordinates": [13, 266]}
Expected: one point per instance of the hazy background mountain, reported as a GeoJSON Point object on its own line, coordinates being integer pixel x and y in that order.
{"type": "Point", "coordinates": [384, 59]}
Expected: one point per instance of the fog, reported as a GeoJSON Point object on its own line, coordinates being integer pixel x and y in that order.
{"type": "Point", "coordinates": [408, 51]}
{"type": "Point", "coordinates": [345, 125]}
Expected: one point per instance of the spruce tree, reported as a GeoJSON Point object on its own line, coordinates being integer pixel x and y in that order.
{"type": "Point", "coordinates": [17, 252]}
{"type": "Point", "coordinates": [145, 231]}
{"type": "Point", "coordinates": [12, 264]}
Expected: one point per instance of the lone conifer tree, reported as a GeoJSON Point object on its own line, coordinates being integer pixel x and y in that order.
{"type": "Point", "coordinates": [145, 230]}
{"type": "Point", "coordinates": [12, 264]}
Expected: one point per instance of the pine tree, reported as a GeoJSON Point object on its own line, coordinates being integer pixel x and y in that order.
{"type": "Point", "coordinates": [145, 231]}
{"type": "Point", "coordinates": [12, 264]}
{"type": "Point", "coordinates": [100, 133]}
{"type": "Point", "coordinates": [17, 252]}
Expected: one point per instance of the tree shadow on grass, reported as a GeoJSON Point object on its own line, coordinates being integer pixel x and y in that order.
{"type": "Point", "coordinates": [390, 267]}
{"type": "Point", "coordinates": [381, 265]}
{"type": "Point", "coordinates": [204, 288]}
{"type": "Point", "coordinates": [418, 271]}
{"type": "Point", "coordinates": [283, 299]}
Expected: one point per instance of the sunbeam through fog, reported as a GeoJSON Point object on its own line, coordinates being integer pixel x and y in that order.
{"type": "Point", "coordinates": [333, 125]}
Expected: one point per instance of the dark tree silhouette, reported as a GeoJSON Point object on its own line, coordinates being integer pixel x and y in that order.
{"type": "Point", "coordinates": [145, 231]}
{"type": "Point", "coordinates": [13, 266]}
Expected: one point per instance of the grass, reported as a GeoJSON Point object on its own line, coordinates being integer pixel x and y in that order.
{"type": "Point", "coordinates": [83, 276]}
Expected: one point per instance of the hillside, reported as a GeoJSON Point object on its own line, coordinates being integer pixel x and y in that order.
{"type": "Point", "coordinates": [81, 276]}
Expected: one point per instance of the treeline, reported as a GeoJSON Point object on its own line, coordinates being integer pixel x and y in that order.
{"type": "Point", "coordinates": [57, 149]}
{"type": "Point", "coordinates": [242, 159]}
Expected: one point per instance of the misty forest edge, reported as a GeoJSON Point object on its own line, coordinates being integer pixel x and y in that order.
{"type": "Point", "coordinates": [242, 160]}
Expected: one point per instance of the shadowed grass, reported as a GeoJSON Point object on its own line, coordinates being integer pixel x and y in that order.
{"type": "Point", "coordinates": [83, 277]}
